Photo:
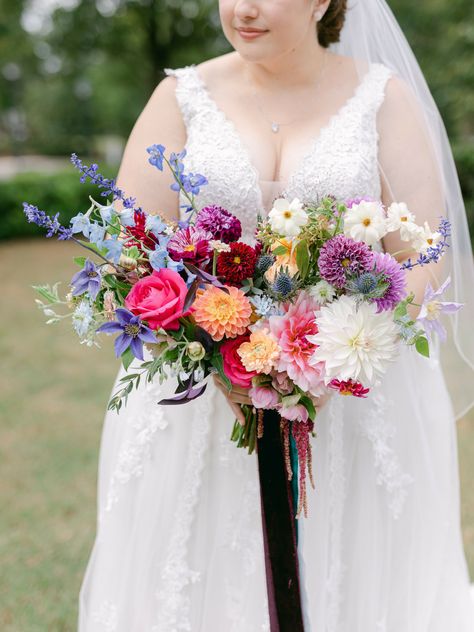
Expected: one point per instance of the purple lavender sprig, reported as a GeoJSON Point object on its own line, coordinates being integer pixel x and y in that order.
{"type": "Point", "coordinates": [434, 253]}
{"type": "Point", "coordinates": [108, 186]}
{"type": "Point", "coordinates": [42, 219]}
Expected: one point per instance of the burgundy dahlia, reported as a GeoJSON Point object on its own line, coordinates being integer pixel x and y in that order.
{"type": "Point", "coordinates": [139, 236]}
{"type": "Point", "coordinates": [191, 244]}
{"type": "Point", "coordinates": [341, 257]}
{"type": "Point", "coordinates": [394, 275]}
{"type": "Point", "coordinates": [222, 224]}
{"type": "Point", "coordinates": [238, 264]}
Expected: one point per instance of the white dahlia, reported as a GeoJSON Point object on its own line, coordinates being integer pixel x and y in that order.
{"type": "Point", "coordinates": [354, 341]}
{"type": "Point", "coordinates": [286, 218]}
{"type": "Point", "coordinates": [365, 222]}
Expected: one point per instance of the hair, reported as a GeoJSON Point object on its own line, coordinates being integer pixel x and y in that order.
{"type": "Point", "coordinates": [330, 26]}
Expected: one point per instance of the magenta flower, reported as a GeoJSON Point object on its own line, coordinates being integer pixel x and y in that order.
{"type": "Point", "coordinates": [394, 275]}
{"type": "Point", "coordinates": [220, 223]}
{"type": "Point", "coordinates": [357, 200]}
{"type": "Point", "coordinates": [191, 244]}
{"type": "Point", "coordinates": [432, 309]}
{"type": "Point", "coordinates": [341, 257]}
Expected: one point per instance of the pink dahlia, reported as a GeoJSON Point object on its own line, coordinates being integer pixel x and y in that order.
{"type": "Point", "coordinates": [218, 221]}
{"type": "Point", "coordinates": [291, 331]}
{"type": "Point", "coordinates": [349, 387]}
{"type": "Point", "coordinates": [394, 275]}
{"type": "Point", "coordinates": [341, 257]}
{"type": "Point", "coordinates": [190, 243]}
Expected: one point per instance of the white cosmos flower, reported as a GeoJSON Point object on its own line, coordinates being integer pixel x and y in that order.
{"type": "Point", "coordinates": [424, 238]}
{"type": "Point", "coordinates": [365, 222]}
{"type": "Point", "coordinates": [354, 341]}
{"type": "Point", "coordinates": [286, 218]}
{"type": "Point", "coordinates": [400, 218]}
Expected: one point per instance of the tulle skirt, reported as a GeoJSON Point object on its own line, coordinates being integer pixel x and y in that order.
{"type": "Point", "coordinates": [179, 540]}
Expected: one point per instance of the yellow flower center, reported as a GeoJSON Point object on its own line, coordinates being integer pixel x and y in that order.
{"type": "Point", "coordinates": [236, 259]}
{"type": "Point", "coordinates": [433, 310]}
{"type": "Point", "coordinates": [189, 248]}
{"type": "Point", "coordinates": [287, 214]}
{"type": "Point", "coordinates": [223, 310]}
{"type": "Point", "coordinates": [404, 218]}
{"type": "Point", "coordinates": [430, 240]}
{"type": "Point", "coordinates": [367, 221]}
{"type": "Point", "coordinates": [345, 263]}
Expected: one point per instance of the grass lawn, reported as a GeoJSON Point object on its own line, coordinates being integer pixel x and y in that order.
{"type": "Point", "coordinates": [53, 396]}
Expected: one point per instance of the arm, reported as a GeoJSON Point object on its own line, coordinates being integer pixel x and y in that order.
{"type": "Point", "coordinates": [160, 122]}
{"type": "Point", "coordinates": [409, 174]}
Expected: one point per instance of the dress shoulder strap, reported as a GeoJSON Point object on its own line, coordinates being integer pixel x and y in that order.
{"type": "Point", "coordinates": [188, 90]}
{"type": "Point", "coordinates": [374, 86]}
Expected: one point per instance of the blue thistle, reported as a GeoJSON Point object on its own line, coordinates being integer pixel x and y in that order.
{"type": "Point", "coordinates": [283, 285]}
{"type": "Point", "coordinates": [264, 263]}
{"type": "Point", "coordinates": [366, 283]}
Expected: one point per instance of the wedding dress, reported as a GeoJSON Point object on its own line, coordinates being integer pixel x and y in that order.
{"type": "Point", "coordinates": [179, 539]}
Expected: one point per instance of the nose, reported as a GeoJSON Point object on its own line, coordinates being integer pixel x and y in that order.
{"type": "Point", "coordinates": [246, 9]}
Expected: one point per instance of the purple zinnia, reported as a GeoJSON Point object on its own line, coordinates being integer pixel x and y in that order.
{"type": "Point", "coordinates": [341, 257]}
{"type": "Point", "coordinates": [133, 333]}
{"type": "Point", "coordinates": [394, 275]}
{"type": "Point", "coordinates": [357, 200]}
{"type": "Point", "coordinates": [190, 243]}
{"type": "Point", "coordinates": [222, 224]}
{"type": "Point", "coordinates": [87, 280]}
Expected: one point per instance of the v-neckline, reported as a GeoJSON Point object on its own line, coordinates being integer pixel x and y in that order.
{"type": "Point", "coordinates": [312, 144]}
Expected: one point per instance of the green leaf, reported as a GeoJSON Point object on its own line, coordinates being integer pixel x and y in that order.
{"type": "Point", "coordinates": [302, 258]}
{"type": "Point", "coordinates": [47, 292]}
{"type": "Point", "coordinates": [308, 404]}
{"type": "Point", "coordinates": [400, 311]}
{"type": "Point", "coordinates": [279, 251]}
{"type": "Point", "coordinates": [127, 358]}
{"type": "Point", "coordinates": [422, 346]}
{"type": "Point", "coordinates": [218, 363]}
{"type": "Point", "coordinates": [80, 261]}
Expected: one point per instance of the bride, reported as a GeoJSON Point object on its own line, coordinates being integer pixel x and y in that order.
{"type": "Point", "coordinates": [179, 544]}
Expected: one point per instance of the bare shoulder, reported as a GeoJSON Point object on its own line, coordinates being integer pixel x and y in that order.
{"type": "Point", "coordinates": [217, 70]}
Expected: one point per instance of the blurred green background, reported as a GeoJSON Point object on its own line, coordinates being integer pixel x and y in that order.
{"type": "Point", "coordinates": [74, 75]}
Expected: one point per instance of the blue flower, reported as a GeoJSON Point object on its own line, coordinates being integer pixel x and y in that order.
{"type": "Point", "coordinates": [155, 224]}
{"type": "Point", "coordinates": [156, 156]}
{"type": "Point", "coordinates": [107, 212]}
{"type": "Point", "coordinates": [264, 306]}
{"type": "Point", "coordinates": [127, 217]}
{"type": "Point", "coordinates": [87, 280]}
{"type": "Point", "coordinates": [80, 223]}
{"type": "Point", "coordinates": [113, 248]}
{"type": "Point", "coordinates": [133, 333]}
{"type": "Point", "coordinates": [158, 258]}
{"type": "Point", "coordinates": [191, 183]}
{"type": "Point", "coordinates": [96, 234]}
{"type": "Point", "coordinates": [52, 224]}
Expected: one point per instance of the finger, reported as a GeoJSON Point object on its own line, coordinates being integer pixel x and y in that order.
{"type": "Point", "coordinates": [239, 414]}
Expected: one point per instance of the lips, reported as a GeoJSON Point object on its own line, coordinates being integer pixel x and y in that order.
{"type": "Point", "coordinates": [248, 33]}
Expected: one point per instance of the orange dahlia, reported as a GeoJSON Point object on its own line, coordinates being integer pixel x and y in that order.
{"type": "Point", "coordinates": [260, 353]}
{"type": "Point", "coordinates": [222, 314]}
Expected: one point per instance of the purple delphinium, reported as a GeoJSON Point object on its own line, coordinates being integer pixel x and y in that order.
{"type": "Point", "coordinates": [393, 274]}
{"type": "Point", "coordinates": [191, 244]}
{"type": "Point", "coordinates": [433, 254]}
{"type": "Point", "coordinates": [432, 309]}
{"type": "Point", "coordinates": [133, 333]}
{"type": "Point", "coordinates": [341, 257]}
{"type": "Point", "coordinates": [218, 221]}
{"type": "Point", "coordinates": [52, 224]}
{"type": "Point", "coordinates": [87, 280]}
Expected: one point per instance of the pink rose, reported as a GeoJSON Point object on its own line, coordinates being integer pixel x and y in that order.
{"type": "Point", "coordinates": [294, 413]}
{"type": "Point", "coordinates": [158, 299]}
{"type": "Point", "coordinates": [264, 397]}
{"type": "Point", "coordinates": [233, 367]}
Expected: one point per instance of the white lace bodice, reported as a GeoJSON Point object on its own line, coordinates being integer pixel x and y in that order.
{"type": "Point", "coordinates": [342, 158]}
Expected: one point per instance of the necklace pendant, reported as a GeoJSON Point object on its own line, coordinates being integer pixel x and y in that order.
{"type": "Point", "coordinates": [275, 128]}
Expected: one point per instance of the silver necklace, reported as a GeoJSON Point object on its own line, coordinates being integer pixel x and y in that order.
{"type": "Point", "coordinates": [275, 126]}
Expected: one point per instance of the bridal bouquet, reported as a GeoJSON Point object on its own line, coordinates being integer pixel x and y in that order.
{"type": "Point", "coordinates": [312, 308]}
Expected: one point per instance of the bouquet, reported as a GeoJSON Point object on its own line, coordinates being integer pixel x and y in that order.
{"type": "Point", "coordinates": [311, 308]}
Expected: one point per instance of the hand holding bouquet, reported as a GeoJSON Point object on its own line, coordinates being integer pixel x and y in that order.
{"type": "Point", "coordinates": [311, 308]}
